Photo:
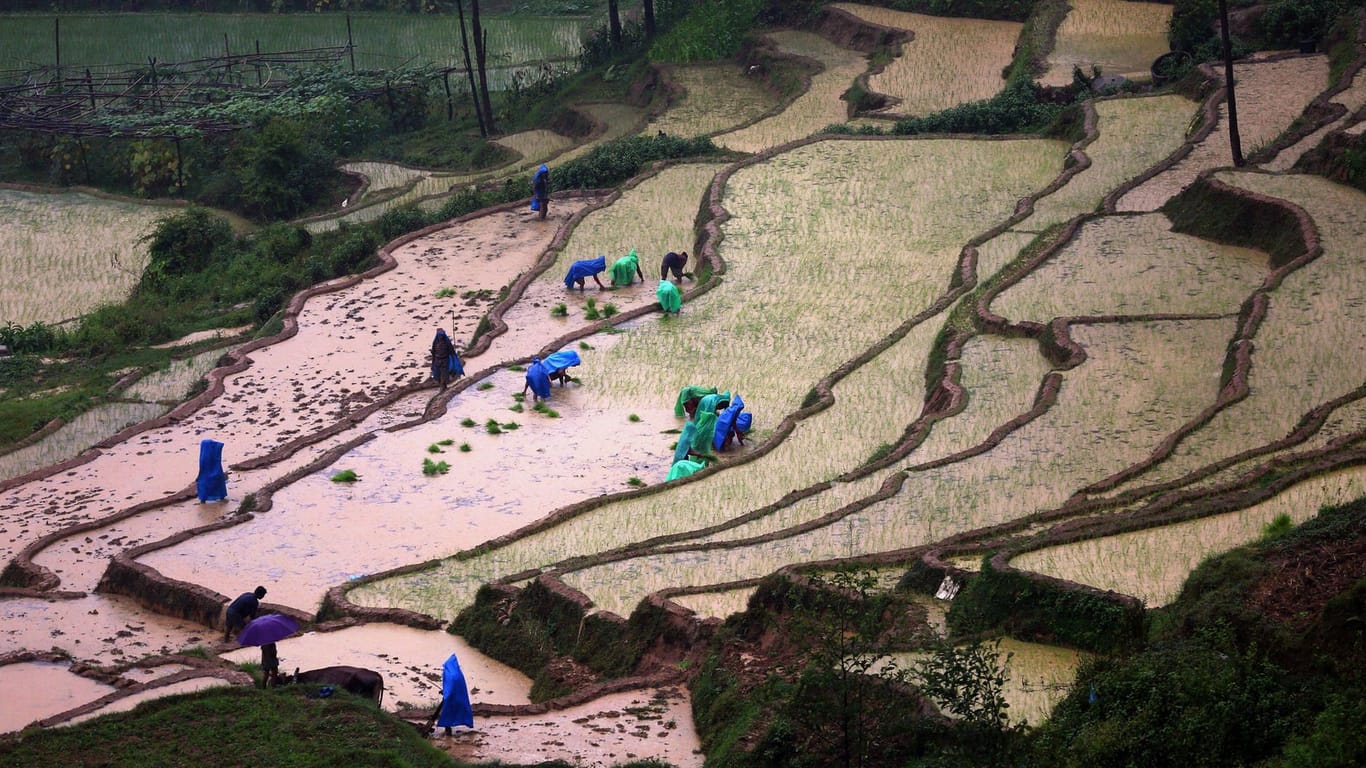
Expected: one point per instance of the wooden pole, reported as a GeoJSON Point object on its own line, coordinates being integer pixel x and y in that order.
{"type": "Point", "coordinates": [179, 168]}
{"type": "Point", "coordinates": [350, 43]}
{"type": "Point", "coordinates": [450, 107]}
{"type": "Point", "coordinates": [90, 87]}
{"type": "Point", "coordinates": [258, 63]}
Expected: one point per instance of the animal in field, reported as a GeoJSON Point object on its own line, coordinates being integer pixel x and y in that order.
{"type": "Point", "coordinates": [366, 683]}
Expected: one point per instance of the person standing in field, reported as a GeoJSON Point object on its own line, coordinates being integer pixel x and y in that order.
{"type": "Point", "coordinates": [675, 263]}
{"type": "Point", "coordinates": [626, 269]}
{"type": "Point", "coordinates": [242, 610]}
{"type": "Point", "coordinates": [540, 191]}
{"type": "Point", "coordinates": [444, 360]}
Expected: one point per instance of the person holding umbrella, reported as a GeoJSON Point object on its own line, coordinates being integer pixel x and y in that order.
{"type": "Point", "coordinates": [266, 631]}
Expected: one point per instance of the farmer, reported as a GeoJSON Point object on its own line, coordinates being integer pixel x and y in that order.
{"type": "Point", "coordinates": [626, 269]}
{"type": "Point", "coordinates": [242, 610]}
{"type": "Point", "coordinates": [583, 269]}
{"type": "Point", "coordinates": [270, 665]}
{"type": "Point", "coordinates": [540, 191]}
{"type": "Point", "coordinates": [537, 380]}
{"type": "Point", "coordinates": [670, 300]}
{"type": "Point", "coordinates": [675, 263]}
{"type": "Point", "coordinates": [445, 361]}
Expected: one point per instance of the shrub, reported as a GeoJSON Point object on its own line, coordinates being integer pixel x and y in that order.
{"type": "Point", "coordinates": [184, 243]}
{"type": "Point", "coordinates": [1016, 109]}
{"type": "Point", "coordinates": [616, 161]}
{"type": "Point", "coordinates": [400, 221]}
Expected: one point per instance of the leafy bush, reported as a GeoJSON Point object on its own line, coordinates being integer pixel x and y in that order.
{"type": "Point", "coordinates": [1016, 109]}
{"type": "Point", "coordinates": [1289, 22]}
{"type": "Point", "coordinates": [281, 170]}
{"type": "Point", "coordinates": [184, 243]}
{"type": "Point", "coordinates": [709, 32]}
{"type": "Point", "coordinates": [401, 221]}
{"type": "Point", "coordinates": [616, 161]}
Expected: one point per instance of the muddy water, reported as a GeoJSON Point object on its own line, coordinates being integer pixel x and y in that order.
{"type": "Point", "coordinates": [46, 689]}
{"type": "Point", "coordinates": [409, 659]}
{"type": "Point", "coordinates": [100, 629]}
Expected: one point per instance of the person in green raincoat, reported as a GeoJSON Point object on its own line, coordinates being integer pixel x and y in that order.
{"type": "Point", "coordinates": [669, 297]}
{"type": "Point", "coordinates": [688, 397]}
{"type": "Point", "coordinates": [705, 419]}
{"type": "Point", "coordinates": [684, 468]}
{"type": "Point", "coordinates": [626, 269]}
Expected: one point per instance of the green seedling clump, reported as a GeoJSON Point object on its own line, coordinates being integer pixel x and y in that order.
{"type": "Point", "coordinates": [633, 418]}
{"type": "Point", "coordinates": [491, 426]}
{"type": "Point", "coordinates": [542, 408]}
{"type": "Point", "coordinates": [346, 476]}
{"type": "Point", "coordinates": [445, 293]}
{"type": "Point", "coordinates": [484, 385]}
{"type": "Point", "coordinates": [517, 368]}
{"type": "Point", "coordinates": [465, 448]}
{"type": "Point", "coordinates": [434, 448]}
{"type": "Point", "coordinates": [609, 310]}
{"type": "Point", "coordinates": [430, 468]}
{"type": "Point", "coordinates": [585, 345]}
{"type": "Point", "coordinates": [467, 422]}
{"type": "Point", "coordinates": [515, 408]}
{"type": "Point", "coordinates": [635, 482]}
{"type": "Point", "coordinates": [519, 396]}
{"type": "Point", "coordinates": [559, 310]}
{"type": "Point", "coordinates": [591, 311]}
{"type": "Point", "coordinates": [509, 426]}
{"type": "Point", "coordinates": [447, 441]}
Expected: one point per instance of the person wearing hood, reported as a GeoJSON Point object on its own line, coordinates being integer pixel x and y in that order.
{"type": "Point", "coordinates": [445, 362]}
{"type": "Point", "coordinates": [626, 269]}
{"type": "Point", "coordinates": [537, 380]}
{"type": "Point", "coordinates": [540, 191]}
{"type": "Point", "coordinates": [583, 269]}
{"type": "Point", "coordinates": [670, 300]}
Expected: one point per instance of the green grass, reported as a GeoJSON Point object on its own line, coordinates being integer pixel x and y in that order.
{"type": "Point", "coordinates": [277, 727]}
{"type": "Point", "coordinates": [445, 293]}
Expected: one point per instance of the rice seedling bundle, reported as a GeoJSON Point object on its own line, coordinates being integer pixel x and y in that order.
{"type": "Point", "coordinates": [1132, 265]}
{"type": "Point", "coordinates": [1120, 37]}
{"type": "Point", "coordinates": [1308, 348]}
{"type": "Point", "coordinates": [718, 604]}
{"type": "Point", "coordinates": [934, 71]}
{"type": "Point", "coordinates": [818, 107]}
{"type": "Point", "coordinates": [717, 96]}
{"type": "Point", "coordinates": [1153, 564]}
{"type": "Point", "coordinates": [1037, 676]}
{"type": "Point", "coordinates": [1271, 94]}
{"type": "Point", "coordinates": [80, 433]}
{"type": "Point", "coordinates": [175, 381]}
{"type": "Point", "coordinates": [1135, 134]}
{"type": "Point", "coordinates": [65, 254]}
{"type": "Point", "coordinates": [382, 40]}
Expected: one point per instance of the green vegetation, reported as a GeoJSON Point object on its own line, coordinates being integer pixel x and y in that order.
{"type": "Point", "coordinates": [491, 426]}
{"type": "Point", "coordinates": [635, 482]}
{"type": "Point", "coordinates": [559, 310]}
{"type": "Point", "coordinates": [431, 468]}
{"type": "Point", "coordinates": [484, 385]}
{"type": "Point", "coordinates": [196, 728]}
{"type": "Point", "coordinates": [346, 476]}
{"type": "Point", "coordinates": [633, 418]}
{"type": "Point", "coordinates": [445, 293]}
{"type": "Point", "coordinates": [467, 422]}
{"type": "Point", "coordinates": [434, 448]}
{"type": "Point", "coordinates": [465, 448]}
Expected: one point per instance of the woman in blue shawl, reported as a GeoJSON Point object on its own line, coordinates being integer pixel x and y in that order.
{"type": "Point", "coordinates": [582, 269]}
{"type": "Point", "coordinates": [537, 380]}
{"type": "Point", "coordinates": [540, 191]}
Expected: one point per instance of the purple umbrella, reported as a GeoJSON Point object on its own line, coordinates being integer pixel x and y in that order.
{"type": "Point", "coordinates": [270, 628]}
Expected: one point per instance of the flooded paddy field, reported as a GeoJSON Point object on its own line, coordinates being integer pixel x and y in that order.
{"type": "Point", "coordinates": [835, 282]}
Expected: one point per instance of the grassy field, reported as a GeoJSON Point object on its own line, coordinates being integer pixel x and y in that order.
{"type": "Point", "coordinates": [381, 40]}
{"type": "Point", "coordinates": [717, 97]}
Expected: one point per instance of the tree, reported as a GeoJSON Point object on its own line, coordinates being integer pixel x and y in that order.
{"type": "Point", "coordinates": [481, 61]}
{"type": "Point", "coordinates": [469, 69]}
{"type": "Point", "coordinates": [614, 22]}
{"type": "Point", "coordinates": [649, 20]}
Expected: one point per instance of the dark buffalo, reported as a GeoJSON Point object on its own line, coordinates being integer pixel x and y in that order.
{"type": "Point", "coordinates": [366, 683]}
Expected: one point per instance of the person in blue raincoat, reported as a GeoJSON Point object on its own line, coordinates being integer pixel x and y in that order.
{"type": "Point", "coordinates": [540, 191]}
{"type": "Point", "coordinates": [537, 380]}
{"type": "Point", "coordinates": [455, 698]}
{"type": "Point", "coordinates": [583, 269]}
{"type": "Point", "coordinates": [212, 482]}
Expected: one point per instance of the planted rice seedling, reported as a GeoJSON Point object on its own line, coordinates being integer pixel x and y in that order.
{"type": "Point", "coordinates": [635, 482]}
{"type": "Point", "coordinates": [515, 408]}
{"type": "Point", "coordinates": [465, 448]}
{"type": "Point", "coordinates": [491, 426]}
{"type": "Point", "coordinates": [447, 441]}
{"type": "Point", "coordinates": [484, 385]}
{"type": "Point", "coordinates": [345, 476]}
{"type": "Point", "coordinates": [1271, 94]}
{"type": "Point", "coordinates": [585, 345]}
{"type": "Point", "coordinates": [1134, 135]}
{"type": "Point", "coordinates": [509, 426]}
{"type": "Point", "coordinates": [434, 448]}
{"type": "Point", "coordinates": [559, 310]}
{"type": "Point", "coordinates": [445, 293]}
{"type": "Point", "coordinates": [932, 73]}
{"type": "Point", "coordinates": [818, 107]}
{"type": "Point", "coordinates": [716, 96]}
{"type": "Point", "coordinates": [1132, 265]}
{"type": "Point", "coordinates": [633, 418]}
{"type": "Point", "coordinates": [67, 253]}
{"type": "Point", "coordinates": [1120, 37]}
{"type": "Point", "coordinates": [467, 422]}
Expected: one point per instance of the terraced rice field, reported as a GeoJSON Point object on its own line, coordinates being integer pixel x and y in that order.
{"type": "Point", "coordinates": [1118, 37]}
{"type": "Point", "coordinates": [716, 97]}
{"type": "Point", "coordinates": [836, 285]}
{"type": "Point", "coordinates": [931, 73]}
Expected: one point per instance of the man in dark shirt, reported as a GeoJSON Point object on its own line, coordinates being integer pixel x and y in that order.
{"type": "Point", "coordinates": [675, 263]}
{"type": "Point", "coordinates": [242, 610]}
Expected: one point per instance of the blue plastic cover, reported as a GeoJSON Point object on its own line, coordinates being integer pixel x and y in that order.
{"type": "Point", "coordinates": [538, 184]}
{"type": "Point", "coordinates": [725, 421]}
{"type": "Point", "coordinates": [212, 483]}
{"type": "Point", "coordinates": [558, 361]}
{"type": "Point", "coordinates": [455, 696]}
{"type": "Point", "coordinates": [538, 378]}
{"type": "Point", "coordinates": [583, 268]}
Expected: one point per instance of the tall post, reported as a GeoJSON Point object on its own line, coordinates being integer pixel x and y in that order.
{"type": "Point", "coordinates": [57, 43]}
{"type": "Point", "coordinates": [450, 107]}
{"type": "Point", "coordinates": [179, 168]}
{"type": "Point", "coordinates": [227, 52]}
{"type": "Point", "coordinates": [90, 87]}
{"type": "Point", "coordinates": [1234, 142]}
{"type": "Point", "coordinates": [469, 69]}
{"type": "Point", "coordinates": [350, 43]}
{"type": "Point", "coordinates": [258, 63]}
